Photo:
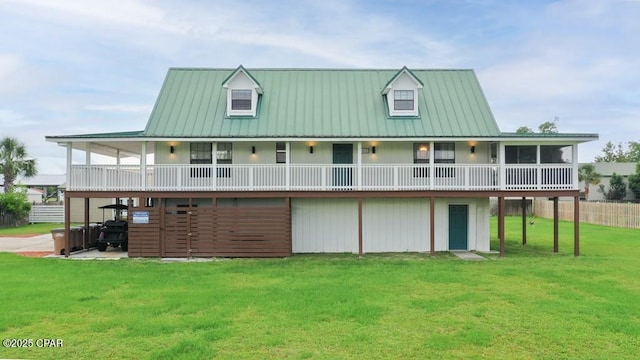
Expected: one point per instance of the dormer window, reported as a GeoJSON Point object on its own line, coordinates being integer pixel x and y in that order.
{"type": "Point", "coordinates": [403, 100]}
{"type": "Point", "coordinates": [241, 99]}
{"type": "Point", "coordinates": [243, 93]}
{"type": "Point", "coordinates": [401, 94]}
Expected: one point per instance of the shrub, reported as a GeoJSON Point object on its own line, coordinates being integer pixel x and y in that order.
{"type": "Point", "coordinates": [14, 207]}
{"type": "Point", "coordinates": [617, 188]}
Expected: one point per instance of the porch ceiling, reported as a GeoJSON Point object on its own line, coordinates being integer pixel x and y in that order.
{"type": "Point", "coordinates": [110, 148]}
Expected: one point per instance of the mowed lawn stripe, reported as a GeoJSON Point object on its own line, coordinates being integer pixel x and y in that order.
{"type": "Point", "coordinates": [530, 304]}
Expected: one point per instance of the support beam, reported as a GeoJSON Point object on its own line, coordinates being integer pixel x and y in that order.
{"type": "Point", "coordinates": [360, 227]}
{"type": "Point", "coordinates": [524, 220]}
{"type": "Point", "coordinates": [501, 204]}
{"type": "Point", "coordinates": [287, 204]}
{"type": "Point", "coordinates": [87, 232]}
{"type": "Point", "coordinates": [432, 224]}
{"type": "Point", "coordinates": [555, 225]}
{"type": "Point", "coordinates": [576, 225]}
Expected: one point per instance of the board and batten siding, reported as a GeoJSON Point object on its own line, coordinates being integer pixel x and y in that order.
{"type": "Point", "coordinates": [395, 225]}
{"type": "Point", "coordinates": [478, 225]}
{"type": "Point", "coordinates": [324, 225]}
{"type": "Point", "coordinates": [388, 225]}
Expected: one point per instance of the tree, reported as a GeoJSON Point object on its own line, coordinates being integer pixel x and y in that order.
{"type": "Point", "coordinates": [618, 153]}
{"type": "Point", "coordinates": [14, 162]}
{"type": "Point", "coordinates": [617, 188]}
{"type": "Point", "coordinates": [524, 130]}
{"type": "Point", "coordinates": [549, 127]}
{"type": "Point", "coordinates": [634, 182]}
{"type": "Point", "coordinates": [588, 174]}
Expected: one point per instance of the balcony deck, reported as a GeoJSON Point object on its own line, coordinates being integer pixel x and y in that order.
{"type": "Point", "coordinates": [308, 177]}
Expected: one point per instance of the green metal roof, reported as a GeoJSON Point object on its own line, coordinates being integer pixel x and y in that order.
{"type": "Point", "coordinates": [320, 103]}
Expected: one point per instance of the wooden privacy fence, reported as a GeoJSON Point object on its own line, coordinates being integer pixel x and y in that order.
{"type": "Point", "coordinates": [625, 215]}
{"type": "Point", "coordinates": [47, 214]}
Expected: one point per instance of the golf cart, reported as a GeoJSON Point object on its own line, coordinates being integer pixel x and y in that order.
{"type": "Point", "coordinates": [113, 232]}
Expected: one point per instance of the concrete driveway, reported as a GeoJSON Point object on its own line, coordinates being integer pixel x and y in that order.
{"type": "Point", "coordinates": [26, 244]}
{"type": "Point", "coordinates": [44, 243]}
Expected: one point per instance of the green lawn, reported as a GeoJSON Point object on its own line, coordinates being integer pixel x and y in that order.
{"type": "Point", "coordinates": [530, 304]}
{"type": "Point", "coordinates": [30, 229]}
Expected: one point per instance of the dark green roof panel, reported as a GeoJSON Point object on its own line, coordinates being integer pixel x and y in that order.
{"type": "Point", "coordinates": [321, 103]}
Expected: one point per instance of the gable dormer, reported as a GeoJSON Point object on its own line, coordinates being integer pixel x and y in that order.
{"type": "Point", "coordinates": [401, 93]}
{"type": "Point", "coordinates": [243, 91]}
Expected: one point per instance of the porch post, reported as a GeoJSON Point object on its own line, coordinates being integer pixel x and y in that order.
{"type": "Point", "coordinates": [503, 169]}
{"type": "Point", "coordinates": [359, 165]}
{"type": "Point", "coordinates": [524, 220]}
{"type": "Point", "coordinates": [576, 225]}
{"type": "Point", "coordinates": [432, 221]}
{"type": "Point", "coordinates": [287, 165]}
{"type": "Point", "coordinates": [214, 164]}
{"type": "Point", "coordinates": [69, 162]}
{"type": "Point", "coordinates": [143, 166]}
{"type": "Point", "coordinates": [575, 167]}
{"type": "Point", "coordinates": [501, 205]}
{"type": "Point", "coordinates": [432, 172]}
{"type": "Point", "coordinates": [87, 155]}
{"type": "Point", "coordinates": [555, 225]}
{"type": "Point", "coordinates": [67, 224]}
{"type": "Point", "coordinates": [360, 252]}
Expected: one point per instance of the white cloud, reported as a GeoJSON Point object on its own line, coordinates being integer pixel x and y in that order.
{"type": "Point", "coordinates": [126, 108]}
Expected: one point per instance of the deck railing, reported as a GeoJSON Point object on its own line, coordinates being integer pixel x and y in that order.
{"type": "Point", "coordinates": [308, 177]}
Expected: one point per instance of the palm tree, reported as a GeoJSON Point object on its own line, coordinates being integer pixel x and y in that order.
{"type": "Point", "coordinates": [588, 174]}
{"type": "Point", "coordinates": [14, 162]}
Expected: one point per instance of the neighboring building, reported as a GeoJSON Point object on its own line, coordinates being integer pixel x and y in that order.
{"type": "Point", "coordinates": [34, 196]}
{"type": "Point", "coordinates": [45, 183]}
{"type": "Point", "coordinates": [606, 170]}
{"type": "Point", "coordinates": [269, 162]}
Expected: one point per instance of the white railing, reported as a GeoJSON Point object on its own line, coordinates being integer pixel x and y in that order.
{"type": "Point", "coordinates": [309, 177]}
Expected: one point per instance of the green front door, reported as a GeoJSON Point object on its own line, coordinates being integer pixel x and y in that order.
{"type": "Point", "coordinates": [342, 155]}
{"type": "Point", "coordinates": [458, 226]}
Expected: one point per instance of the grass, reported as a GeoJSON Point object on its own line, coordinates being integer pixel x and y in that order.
{"type": "Point", "coordinates": [530, 304]}
{"type": "Point", "coordinates": [30, 229]}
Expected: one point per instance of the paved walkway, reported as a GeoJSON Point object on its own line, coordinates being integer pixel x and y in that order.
{"type": "Point", "coordinates": [466, 255]}
{"type": "Point", "coordinates": [26, 244]}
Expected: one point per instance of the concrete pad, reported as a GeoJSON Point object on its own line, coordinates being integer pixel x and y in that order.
{"type": "Point", "coordinates": [22, 244]}
{"type": "Point", "coordinates": [467, 255]}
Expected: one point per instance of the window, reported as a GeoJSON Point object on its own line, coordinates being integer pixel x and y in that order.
{"type": "Point", "coordinates": [403, 99]}
{"type": "Point", "coordinates": [240, 99]}
{"type": "Point", "coordinates": [420, 153]}
{"type": "Point", "coordinates": [556, 154]}
{"type": "Point", "coordinates": [224, 155]}
{"type": "Point", "coordinates": [444, 153]}
{"type": "Point", "coordinates": [200, 154]}
{"type": "Point", "coordinates": [522, 154]}
{"type": "Point", "coordinates": [281, 153]}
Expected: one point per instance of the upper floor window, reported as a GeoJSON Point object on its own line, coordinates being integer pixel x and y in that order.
{"type": "Point", "coordinates": [420, 153]}
{"type": "Point", "coordinates": [281, 153]}
{"type": "Point", "coordinates": [403, 100]}
{"type": "Point", "coordinates": [224, 153]}
{"type": "Point", "coordinates": [445, 153]}
{"type": "Point", "coordinates": [520, 154]}
{"type": "Point", "coordinates": [201, 153]}
{"type": "Point", "coordinates": [241, 99]}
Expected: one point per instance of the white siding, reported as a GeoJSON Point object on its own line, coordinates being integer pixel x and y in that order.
{"type": "Point", "coordinates": [395, 225]}
{"type": "Point", "coordinates": [324, 225]}
{"type": "Point", "coordinates": [478, 225]}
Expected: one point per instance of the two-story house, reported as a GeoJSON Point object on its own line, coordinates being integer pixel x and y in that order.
{"type": "Point", "coordinates": [270, 162]}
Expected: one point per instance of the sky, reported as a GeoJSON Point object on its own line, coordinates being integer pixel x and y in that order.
{"type": "Point", "coordinates": [91, 66]}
